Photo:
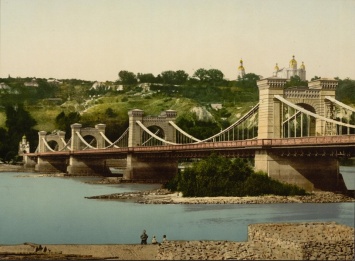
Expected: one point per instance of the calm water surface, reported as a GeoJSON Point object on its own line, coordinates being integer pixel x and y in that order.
{"type": "Point", "coordinates": [53, 210]}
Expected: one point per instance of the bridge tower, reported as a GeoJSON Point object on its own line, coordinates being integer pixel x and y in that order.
{"type": "Point", "coordinates": [152, 168]}
{"type": "Point", "coordinates": [90, 165]}
{"type": "Point", "coordinates": [50, 164]}
{"type": "Point", "coordinates": [307, 172]}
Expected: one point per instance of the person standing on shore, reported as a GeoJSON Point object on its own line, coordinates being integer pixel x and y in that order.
{"type": "Point", "coordinates": [164, 238]}
{"type": "Point", "coordinates": [154, 241]}
{"type": "Point", "coordinates": [144, 238]}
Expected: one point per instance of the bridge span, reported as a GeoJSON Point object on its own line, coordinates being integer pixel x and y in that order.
{"type": "Point", "coordinates": [295, 135]}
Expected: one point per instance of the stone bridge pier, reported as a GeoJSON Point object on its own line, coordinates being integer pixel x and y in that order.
{"type": "Point", "coordinates": [50, 164]}
{"type": "Point", "coordinates": [89, 165]}
{"type": "Point", "coordinates": [152, 168]}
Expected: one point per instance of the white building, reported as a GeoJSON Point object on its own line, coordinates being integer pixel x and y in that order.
{"type": "Point", "coordinates": [32, 83]}
{"type": "Point", "coordinates": [292, 70]}
{"type": "Point", "coordinates": [24, 146]}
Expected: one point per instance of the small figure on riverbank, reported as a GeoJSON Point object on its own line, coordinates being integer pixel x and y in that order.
{"type": "Point", "coordinates": [144, 238]}
{"type": "Point", "coordinates": [154, 240]}
{"type": "Point", "coordinates": [164, 238]}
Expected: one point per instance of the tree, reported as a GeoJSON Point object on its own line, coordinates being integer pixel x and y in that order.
{"type": "Point", "coordinates": [181, 77]}
{"type": "Point", "coordinates": [296, 81]}
{"type": "Point", "coordinates": [346, 91]}
{"type": "Point", "coordinates": [201, 74]}
{"type": "Point", "coordinates": [63, 122]}
{"type": "Point", "coordinates": [127, 77]}
{"type": "Point", "coordinates": [146, 78]}
{"type": "Point", "coordinates": [315, 78]}
{"type": "Point", "coordinates": [168, 77]}
{"type": "Point", "coordinates": [19, 122]}
{"type": "Point", "coordinates": [215, 75]}
{"type": "Point", "coordinates": [219, 176]}
{"type": "Point", "coordinates": [110, 113]}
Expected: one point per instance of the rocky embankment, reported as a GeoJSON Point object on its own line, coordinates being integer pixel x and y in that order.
{"type": "Point", "coordinates": [284, 241]}
{"type": "Point", "coordinates": [163, 196]}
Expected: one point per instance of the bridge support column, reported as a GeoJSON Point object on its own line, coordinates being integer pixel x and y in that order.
{"type": "Point", "coordinates": [150, 169]}
{"type": "Point", "coordinates": [51, 165]}
{"type": "Point", "coordinates": [270, 109]}
{"type": "Point", "coordinates": [87, 167]}
{"type": "Point", "coordinates": [309, 173]}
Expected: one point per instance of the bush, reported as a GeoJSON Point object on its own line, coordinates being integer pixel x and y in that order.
{"type": "Point", "coordinates": [219, 176]}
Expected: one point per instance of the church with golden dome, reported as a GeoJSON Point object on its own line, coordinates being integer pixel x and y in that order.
{"type": "Point", "coordinates": [292, 70]}
{"type": "Point", "coordinates": [241, 70]}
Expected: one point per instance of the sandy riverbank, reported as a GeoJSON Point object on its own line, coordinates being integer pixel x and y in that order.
{"type": "Point", "coordinates": [11, 168]}
{"type": "Point", "coordinates": [77, 252]}
{"type": "Point", "coordinates": [283, 241]}
{"type": "Point", "coordinates": [163, 196]}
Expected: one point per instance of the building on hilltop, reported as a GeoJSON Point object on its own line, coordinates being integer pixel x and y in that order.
{"type": "Point", "coordinates": [4, 86]}
{"type": "Point", "coordinates": [241, 70]}
{"type": "Point", "coordinates": [32, 83]}
{"type": "Point", "coordinates": [292, 70]}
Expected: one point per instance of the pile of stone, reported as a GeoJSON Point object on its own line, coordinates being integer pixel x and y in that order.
{"type": "Point", "coordinates": [164, 196]}
{"type": "Point", "coordinates": [175, 198]}
{"type": "Point", "coordinates": [283, 241]}
{"type": "Point", "coordinates": [206, 250]}
{"type": "Point", "coordinates": [304, 241]}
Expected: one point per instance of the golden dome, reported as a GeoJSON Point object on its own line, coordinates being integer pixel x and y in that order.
{"type": "Point", "coordinates": [302, 66]}
{"type": "Point", "coordinates": [241, 67]}
{"type": "Point", "coordinates": [293, 62]}
{"type": "Point", "coordinates": [276, 68]}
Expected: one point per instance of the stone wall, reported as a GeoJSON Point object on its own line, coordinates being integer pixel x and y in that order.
{"type": "Point", "coordinates": [304, 241]}
{"type": "Point", "coordinates": [279, 241]}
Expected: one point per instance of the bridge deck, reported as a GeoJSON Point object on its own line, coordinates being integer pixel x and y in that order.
{"type": "Point", "coordinates": [247, 147]}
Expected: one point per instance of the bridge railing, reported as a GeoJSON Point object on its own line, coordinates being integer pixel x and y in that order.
{"type": "Point", "coordinates": [239, 144]}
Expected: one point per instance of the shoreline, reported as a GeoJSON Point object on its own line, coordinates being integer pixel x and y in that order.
{"type": "Point", "coordinates": [266, 241]}
{"type": "Point", "coordinates": [164, 196]}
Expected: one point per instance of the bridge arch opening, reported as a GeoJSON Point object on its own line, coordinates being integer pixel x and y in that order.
{"type": "Point", "coordinates": [298, 124]}
{"type": "Point", "coordinates": [90, 140]}
{"type": "Point", "coordinates": [53, 145]}
{"type": "Point", "coordinates": [148, 140]}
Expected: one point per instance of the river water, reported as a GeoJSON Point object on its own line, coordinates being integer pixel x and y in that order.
{"type": "Point", "coordinates": [53, 210]}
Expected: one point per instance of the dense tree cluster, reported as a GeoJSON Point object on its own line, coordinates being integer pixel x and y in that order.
{"type": "Point", "coordinates": [220, 176]}
{"type": "Point", "coordinates": [18, 123]}
{"type": "Point", "coordinates": [64, 121]}
{"type": "Point", "coordinates": [296, 81]}
{"type": "Point", "coordinates": [179, 77]}
{"type": "Point", "coordinates": [346, 91]}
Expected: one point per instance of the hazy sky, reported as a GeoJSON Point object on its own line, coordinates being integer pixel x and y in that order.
{"type": "Point", "coordinates": [95, 39]}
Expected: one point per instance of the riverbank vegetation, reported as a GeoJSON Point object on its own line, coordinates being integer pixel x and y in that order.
{"type": "Point", "coordinates": [220, 176]}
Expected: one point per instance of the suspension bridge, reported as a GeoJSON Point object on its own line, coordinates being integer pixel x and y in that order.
{"type": "Point", "coordinates": [296, 135]}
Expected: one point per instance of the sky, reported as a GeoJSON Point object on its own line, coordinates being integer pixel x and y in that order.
{"type": "Point", "coordinates": [95, 39]}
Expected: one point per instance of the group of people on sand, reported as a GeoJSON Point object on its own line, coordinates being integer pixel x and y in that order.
{"type": "Point", "coordinates": [144, 238]}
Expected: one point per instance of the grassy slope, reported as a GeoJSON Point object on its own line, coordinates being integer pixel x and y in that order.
{"type": "Point", "coordinates": [94, 110]}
